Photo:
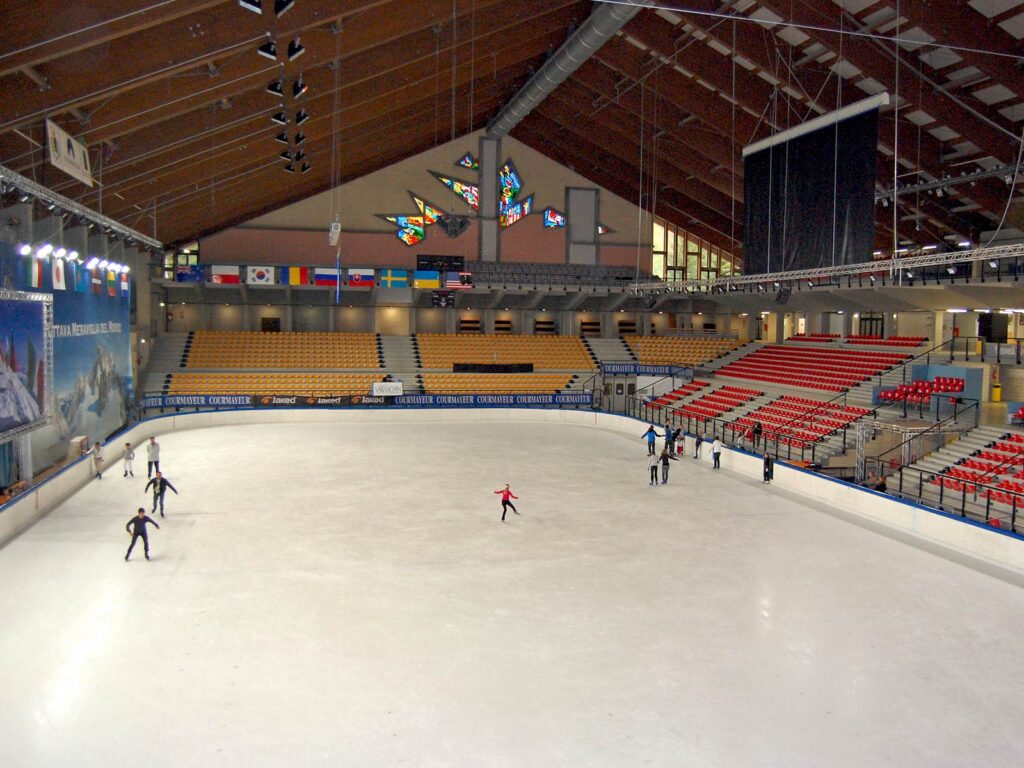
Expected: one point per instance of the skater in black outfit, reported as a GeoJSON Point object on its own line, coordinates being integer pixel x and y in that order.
{"type": "Point", "coordinates": [758, 429]}
{"type": "Point", "coordinates": [138, 523]}
{"type": "Point", "coordinates": [769, 468]}
{"type": "Point", "coordinates": [160, 486]}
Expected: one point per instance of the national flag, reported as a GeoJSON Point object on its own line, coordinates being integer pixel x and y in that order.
{"type": "Point", "coordinates": [295, 275]}
{"type": "Point", "coordinates": [325, 277]}
{"type": "Point", "coordinates": [111, 283]}
{"type": "Point", "coordinates": [393, 278]}
{"type": "Point", "coordinates": [360, 278]}
{"type": "Point", "coordinates": [458, 280]}
{"type": "Point", "coordinates": [125, 284]}
{"type": "Point", "coordinates": [260, 276]}
{"type": "Point", "coordinates": [225, 275]}
{"type": "Point", "coordinates": [57, 267]}
{"type": "Point", "coordinates": [97, 281]}
{"type": "Point", "coordinates": [426, 278]}
{"type": "Point", "coordinates": [35, 273]}
{"type": "Point", "coordinates": [83, 277]}
{"type": "Point", "coordinates": [70, 276]}
{"type": "Point", "coordinates": [189, 273]}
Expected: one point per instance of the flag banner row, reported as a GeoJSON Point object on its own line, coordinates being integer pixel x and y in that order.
{"type": "Point", "coordinates": [57, 274]}
{"type": "Point", "coordinates": [365, 401]}
{"type": "Point", "coordinates": [350, 277]}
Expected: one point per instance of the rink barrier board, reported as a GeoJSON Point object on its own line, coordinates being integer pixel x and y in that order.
{"type": "Point", "coordinates": [966, 537]}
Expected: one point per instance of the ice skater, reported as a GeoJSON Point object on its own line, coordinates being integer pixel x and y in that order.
{"type": "Point", "coordinates": [160, 485]}
{"type": "Point", "coordinates": [129, 457]}
{"type": "Point", "coordinates": [97, 460]}
{"type": "Point", "coordinates": [670, 438]}
{"type": "Point", "coordinates": [137, 527]}
{"type": "Point", "coordinates": [665, 457]}
{"type": "Point", "coordinates": [651, 434]}
{"type": "Point", "coordinates": [506, 495]}
{"type": "Point", "coordinates": [652, 461]}
{"type": "Point", "coordinates": [697, 440]}
{"type": "Point", "coordinates": [152, 456]}
{"type": "Point", "coordinates": [769, 468]}
{"type": "Point", "coordinates": [716, 452]}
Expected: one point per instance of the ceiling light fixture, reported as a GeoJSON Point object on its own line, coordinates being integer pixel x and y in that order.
{"type": "Point", "coordinates": [306, 167]}
{"type": "Point", "coordinates": [268, 50]}
{"type": "Point", "coordinates": [301, 116]}
{"type": "Point", "coordinates": [295, 49]}
{"type": "Point", "coordinates": [282, 137]}
{"type": "Point", "coordinates": [287, 155]}
{"type": "Point", "coordinates": [280, 118]}
{"type": "Point", "coordinates": [299, 88]}
{"type": "Point", "coordinates": [275, 87]}
{"type": "Point", "coordinates": [290, 168]}
{"type": "Point", "coordinates": [92, 263]}
{"type": "Point", "coordinates": [281, 7]}
{"type": "Point", "coordinates": [256, 6]}
{"type": "Point", "coordinates": [300, 138]}
{"type": "Point", "coordinates": [43, 251]}
{"type": "Point", "coordinates": [25, 250]}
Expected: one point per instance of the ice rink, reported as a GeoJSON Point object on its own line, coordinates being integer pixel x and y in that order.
{"type": "Point", "coordinates": [345, 595]}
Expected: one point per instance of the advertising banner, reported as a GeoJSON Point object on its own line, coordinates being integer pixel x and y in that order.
{"type": "Point", "coordinates": [362, 401]}
{"type": "Point", "coordinates": [23, 374]}
{"type": "Point", "coordinates": [636, 369]}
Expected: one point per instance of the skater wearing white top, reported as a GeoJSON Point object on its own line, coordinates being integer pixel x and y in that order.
{"type": "Point", "coordinates": [97, 460]}
{"type": "Point", "coordinates": [129, 457]}
{"type": "Point", "coordinates": [652, 461]}
{"type": "Point", "coordinates": [716, 452]}
{"type": "Point", "coordinates": [152, 456]}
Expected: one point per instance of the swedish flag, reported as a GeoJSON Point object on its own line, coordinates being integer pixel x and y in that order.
{"type": "Point", "coordinates": [393, 278]}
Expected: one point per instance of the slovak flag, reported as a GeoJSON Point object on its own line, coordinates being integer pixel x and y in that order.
{"type": "Point", "coordinates": [57, 266]}
{"type": "Point", "coordinates": [360, 278]}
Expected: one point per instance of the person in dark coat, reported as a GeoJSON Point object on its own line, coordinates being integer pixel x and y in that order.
{"type": "Point", "coordinates": [159, 484]}
{"type": "Point", "coordinates": [136, 526]}
{"type": "Point", "coordinates": [769, 468]}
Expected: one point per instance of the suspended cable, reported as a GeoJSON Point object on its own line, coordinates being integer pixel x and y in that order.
{"type": "Point", "coordinates": [640, 190]}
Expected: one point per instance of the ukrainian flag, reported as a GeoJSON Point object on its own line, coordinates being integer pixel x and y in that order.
{"type": "Point", "coordinates": [393, 278]}
{"type": "Point", "coordinates": [426, 278]}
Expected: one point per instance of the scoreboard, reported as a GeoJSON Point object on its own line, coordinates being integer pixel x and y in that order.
{"type": "Point", "coordinates": [441, 264]}
{"type": "Point", "coordinates": [442, 298]}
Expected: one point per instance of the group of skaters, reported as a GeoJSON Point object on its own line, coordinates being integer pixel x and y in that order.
{"type": "Point", "coordinates": [159, 484]}
{"type": "Point", "coordinates": [675, 444]}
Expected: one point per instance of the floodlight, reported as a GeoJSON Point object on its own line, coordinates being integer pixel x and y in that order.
{"type": "Point", "coordinates": [305, 167]}
{"type": "Point", "coordinates": [268, 50]}
{"type": "Point", "coordinates": [103, 264]}
{"type": "Point", "coordinates": [280, 118]}
{"type": "Point", "coordinates": [287, 155]}
{"type": "Point", "coordinates": [25, 250]}
{"type": "Point", "coordinates": [256, 6]}
{"type": "Point", "coordinates": [281, 7]}
{"type": "Point", "coordinates": [299, 88]}
{"type": "Point", "coordinates": [275, 87]}
{"type": "Point", "coordinates": [290, 168]}
{"type": "Point", "coordinates": [43, 251]}
{"type": "Point", "coordinates": [295, 49]}
{"type": "Point", "coordinates": [282, 137]}
{"type": "Point", "coordinates": [301, 116]}
{"type": "Point", "coordinates": [300, 138]}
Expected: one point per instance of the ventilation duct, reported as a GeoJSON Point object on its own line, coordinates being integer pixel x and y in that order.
{"type": "Point", "coordinates": [600, 26]}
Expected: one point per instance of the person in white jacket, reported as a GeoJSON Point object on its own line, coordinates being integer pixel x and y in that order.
{"type": "Point", "coordinates": [716, 452]}
{"type": "Point", "coordinates": [652, 462]}
{"type": "Point", "coordinates": [152, 457]}
{"type": "Point", "coordinates": [129, 457]}
{"type": "Point", "coordinates": [97, 460]}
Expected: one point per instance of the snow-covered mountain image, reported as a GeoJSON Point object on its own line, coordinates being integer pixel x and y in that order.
{"type": "Point", "coordinates": [96, 402]}
{"type": "Point", "coordinates": [18, 405]}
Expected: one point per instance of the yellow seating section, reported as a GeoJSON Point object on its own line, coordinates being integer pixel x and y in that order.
{"type": "Point", "coordinates": [249, 349]}
{"type": "Point", "coordinates": [495, 383]}
{"type": "Point", "coordinates": [272, 383]}
{"type": "Point", "coordinates": [670, 350]}
{"type": "Point", "coordinates": [441, 350]}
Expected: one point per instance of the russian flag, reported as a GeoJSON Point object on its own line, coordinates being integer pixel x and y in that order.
{"type": "Point", "coordinates": [325, 277]}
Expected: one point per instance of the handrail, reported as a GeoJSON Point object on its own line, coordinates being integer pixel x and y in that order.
{"type": "Point", "coordinates": [903, 366]}
{"type": "Point", "coordinates": [935, 428]}
{"type": "Point", "coordinates": [966, 487]}
{"type": "Point", "coordinates": [805, 414]}
{"type": "Point", "coordinates": [1009, 462]}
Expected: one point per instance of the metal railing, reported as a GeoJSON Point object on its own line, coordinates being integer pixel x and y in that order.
{"type": "Point", "coordinates": [780, 446]}
{"type": "Point", "coordinates": [909, 450]}
{"type": "Point", "coordinates": [998, 507]}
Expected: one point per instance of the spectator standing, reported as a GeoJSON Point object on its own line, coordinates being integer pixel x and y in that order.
{"type": "Point", "coordinates": [716, 452]}
{"type": "Point", "coordinates": [769, 468]}
{"type": "Point", "coordinates": [152, 457]}
{"type": "Point", "coordinates": [97, 460]}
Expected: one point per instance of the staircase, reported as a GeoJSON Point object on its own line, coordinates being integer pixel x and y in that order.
{"type": "Point", "coordinates": [610, 351]}
{"type": "Point", "coordinates": [168, 356]}
{"type": "Point", "coordinates": [401, 359]}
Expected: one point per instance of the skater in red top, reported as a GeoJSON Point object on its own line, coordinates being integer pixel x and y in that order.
{"type": "Point", "coordinates": [507, 494]}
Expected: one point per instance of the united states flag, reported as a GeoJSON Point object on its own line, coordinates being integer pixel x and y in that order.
{"type": "Point", "coordinates": [457, 280]}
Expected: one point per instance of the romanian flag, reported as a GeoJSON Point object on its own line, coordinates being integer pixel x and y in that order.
{"type": "Point", "coordinates": [111, 283]}
{"type": "Point", "coordinates": [393, 278]}
{"type": "Point", "coordinates": [325, 277]}
{"type": "Point", "coordinates": [295, 275]}
{"type": "Point", "coordinates": [426, 278]}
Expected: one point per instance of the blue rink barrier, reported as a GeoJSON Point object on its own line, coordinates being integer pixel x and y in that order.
{"type": "Point", "coordinates": [157, 402]}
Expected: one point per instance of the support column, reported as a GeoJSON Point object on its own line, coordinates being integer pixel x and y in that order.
{"type": "Point", "coordinates": [23, 457]}
{"type": "Point", "coordinates": [451, 320]}
{"type": "Point", "coordinates": [780, 327]}
{"type": "Point", "coordinates": [490, 242]}
{"type": "Point", "coordinates": [753, 325]}
{"type": "Point", "coordinates": [847, 318]}
{"type": "Point", "coordinates": [565, 323]}
{"type": "Point", "coordinates": [581, 209]}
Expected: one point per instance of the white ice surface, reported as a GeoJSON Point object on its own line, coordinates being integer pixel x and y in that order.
{"type": "Point", "coordinates": [346, 596]}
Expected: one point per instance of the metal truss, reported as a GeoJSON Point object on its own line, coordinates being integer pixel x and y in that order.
{"type": "Point", "coordinates": [892, 266]}
{"type": "Point", "coordinates": [45, 195]}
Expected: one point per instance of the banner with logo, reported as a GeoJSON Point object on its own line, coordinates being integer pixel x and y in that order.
{"type": "Point", "coordinates": [363, 401]}
{"type": "Point", "coordinates": [636, 369]}
{"type": "Point", "coordinates": [67, 153]}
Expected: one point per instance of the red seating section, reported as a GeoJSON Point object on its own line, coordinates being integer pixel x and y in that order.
{"type": "Point", "coordinates": [892, 341]}
{"type": "Point", "coordinates": [817, 338]}
{"type": "Point", "coordinates": [989, 467]}
{"type": "Point", "coordinates": [921, 391]}
{"type": "Point", "coordinates": [799, 421]}
{"type": "Point", "coordinates": [832, 370]}
{"type": "Point", "coordinates": [714, 404]}
{"type": "Point", "coordinates": [676, 394]}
